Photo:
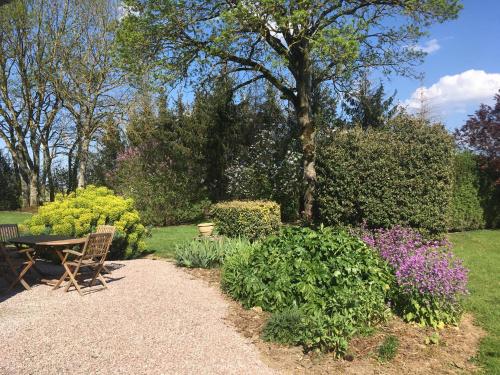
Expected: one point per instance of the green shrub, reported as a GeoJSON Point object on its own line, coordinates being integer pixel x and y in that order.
{"type": "Point", "coordinates": [388, 349]}
{"type": "Point", "coordinates": [490, 193]}
{"type": "Point", "coordinates": [398, 175]}
{"type": "Point", "coordinates": [337, 282]}
{"type": "Point", "coordinates": [78, 214]}
{"type": "Point", "coordinates": [207, 253]}
{"type": "Point", "coordinates": [466, 212]}
{"type": "Point", "coordinates": [285, 327]}
{"type": "Point", "coordinates": [250, 219]}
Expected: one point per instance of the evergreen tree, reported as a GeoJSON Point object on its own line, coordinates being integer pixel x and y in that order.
{"type": "Point", "coordinates": [367, 107]}
{"type": "Point", "coordinates": [9, 192]}
{"type": "Point", "coordinates": [217, 113]}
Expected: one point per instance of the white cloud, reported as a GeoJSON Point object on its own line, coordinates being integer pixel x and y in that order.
{"type": "Point", "coordinates": [428, 47]}
{"type": "Point", "coordinates": [453, 93]}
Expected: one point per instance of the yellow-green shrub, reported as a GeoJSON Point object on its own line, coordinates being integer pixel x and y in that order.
{"type": "Point", "coordinates": [250, 219]}
{"type": "Point", "coordinates": [78, 213]}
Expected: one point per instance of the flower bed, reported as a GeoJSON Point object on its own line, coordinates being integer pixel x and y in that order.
{"type": "Point", "coordinates": [431, 280]}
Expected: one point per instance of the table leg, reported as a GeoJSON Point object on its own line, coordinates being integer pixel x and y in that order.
{"type": "Point", "coordinates": [58, 283]}
{"type": "Point", "coordinates": [55, 282]}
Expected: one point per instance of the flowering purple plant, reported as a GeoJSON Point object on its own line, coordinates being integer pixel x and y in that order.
{"type": "Point", "coordinates": [430, 279]}
{"type": "Point", "coordinates": [424, 267]}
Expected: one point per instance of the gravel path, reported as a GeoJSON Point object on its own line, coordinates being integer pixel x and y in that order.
{"type": "Point", "coordinates": [154, 319]}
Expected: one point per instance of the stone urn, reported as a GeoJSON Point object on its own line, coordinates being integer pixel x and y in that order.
{"type": "Point", "coordinates": [206, 229]}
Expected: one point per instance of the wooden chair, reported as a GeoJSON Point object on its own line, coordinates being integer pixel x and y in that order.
{"type": "Point", "coordinates": [107, 229]}
{"type": "Point", "coordinates": [92, 256]}
{"type": "Point", "coordinates": [12, 259]}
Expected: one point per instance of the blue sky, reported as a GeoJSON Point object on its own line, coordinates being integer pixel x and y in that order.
{"type": "Point", "coordinates": [468, 51]}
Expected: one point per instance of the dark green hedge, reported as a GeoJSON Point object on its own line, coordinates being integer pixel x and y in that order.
{"type": "Point", "coordinates": [466, 212]}
{"type": "Point", "coordinates": [490, 194]}
{"type": "Point", "coordinates": [398, 175]}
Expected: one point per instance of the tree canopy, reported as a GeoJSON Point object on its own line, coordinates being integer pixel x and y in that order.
{"type": "Point", "coordinates": [296, 45]}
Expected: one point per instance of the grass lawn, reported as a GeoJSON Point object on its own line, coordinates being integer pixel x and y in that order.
{"type": "Point", "coordinates": [481, 253]}
{"type": "Point", "coordinates": [163, 240]}
{"type": "Point", "coordinates": [13, 217]}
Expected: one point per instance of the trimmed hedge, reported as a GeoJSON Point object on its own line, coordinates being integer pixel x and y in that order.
{"type": "Point", "coordinates": [399, 175]}
{"type": "Point", "coordinates": [78, 213]}
{"type": "Point", "coordinates": [466, 212]}
{"type": "Point", "coordinates": [250, 219]}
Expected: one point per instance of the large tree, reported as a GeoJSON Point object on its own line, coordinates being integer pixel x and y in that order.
{"type": "Point", "coordinates": [89, 83]}
{"type": "Point", "coordinates": [296, 45]}
{"type": "Point", "coordinates": [481, 134]}
{"type": "Point", "coordinates": [30, 36]}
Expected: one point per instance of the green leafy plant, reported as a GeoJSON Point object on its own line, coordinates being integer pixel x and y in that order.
{"type": "Point", "coordinates": [207, 253]}
{"type": "Point", "coordinates": [337, 282]}
{"type": "Point", "coordinates": [388, 349]}
{"type": "Point", "coordinates": [250, 219]}
{"type": "Point", "coordinates": [433, 339]}
{"type": "Point", "coordinates": [78, 214]}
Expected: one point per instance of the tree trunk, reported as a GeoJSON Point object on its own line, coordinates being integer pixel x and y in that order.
{"type": "Point", "coordinates": [308, 142]}
{"type": "Point", "coordinates": [25, 191]}
{"type": "Point", "coordinates": [83, 155]}
{"type": "Point", "coordinates": [307, 131]}
{"type": "Point", "coordinates": [48, 178]}
{"type": "Point", "coordinates": [33, 190]}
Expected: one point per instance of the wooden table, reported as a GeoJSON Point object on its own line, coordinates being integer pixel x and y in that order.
{"type": "Point", "coordinates": [57, 243]}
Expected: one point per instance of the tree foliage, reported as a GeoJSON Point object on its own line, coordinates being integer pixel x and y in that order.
{"type": "Point", "coordinates": [481, 135]}
{"type": "Point", "coordinates": [369, 107]}
{"type": "Point", "coordinates": [162, 167]}
{"type": "Point", "coordinates": [9, 193]}
{"type": "Point", "coordinates": [294, 45]}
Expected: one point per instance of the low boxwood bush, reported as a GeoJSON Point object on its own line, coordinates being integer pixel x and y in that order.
{"type": "Point", "coordinates": [334, 284]}
{"type": "Point", "coordinates": [430, 281]}
{"type": "Point", "coordinates": [208, 253]}
{"type": "Point", "coordinates": [80, 212]}
{"type": "Point", "coordinates": [250, 219]}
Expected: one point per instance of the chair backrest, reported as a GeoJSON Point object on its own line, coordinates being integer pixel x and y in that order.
{"type": "Point", "coordinates": [107, 229]}
{"type": "Point", "coordinates": [8, 231]}
{"type": "Point", "coordinates": [97, 245]}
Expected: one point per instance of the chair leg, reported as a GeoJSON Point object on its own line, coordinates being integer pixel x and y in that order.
{"type": "Point", "coordinates": [98, 275]}
{"type": "Point", "coordinates": [20, 277]}
{"type": "Point", "coordinates": [72, 279]}
{"type": "Point", "coordinates": [60, 281]}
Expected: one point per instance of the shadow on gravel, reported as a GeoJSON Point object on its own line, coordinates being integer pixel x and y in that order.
{"type": "Point", "coordinates": [47, 269]}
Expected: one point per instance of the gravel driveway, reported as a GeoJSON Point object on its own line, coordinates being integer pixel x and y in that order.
{"type": "Point", "coordinates": [154, 319]}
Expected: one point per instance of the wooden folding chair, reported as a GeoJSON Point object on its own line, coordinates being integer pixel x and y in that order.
{"type": "Point", "coordinates": [92, 256]}
{"type": "Point", "coordinates": [107, 229]}
{"type": "Point", "coordinates": [13, 260]}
